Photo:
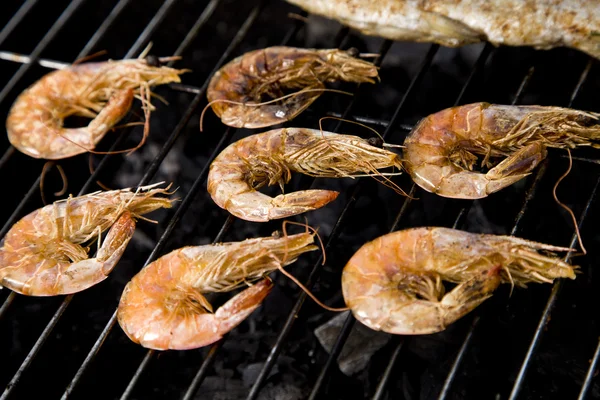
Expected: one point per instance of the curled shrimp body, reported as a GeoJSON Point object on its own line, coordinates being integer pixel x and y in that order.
{"type": "Point", "coordinates": [163, 306]}
{"type": "Point", "coordinates": [442, 149]}
{"type": "Point", "coordinates": [43, 253]}
{"type": "Point", "coordinates": [103, 91]}
{"type": "Point", "coordinates": [270, 158]}
{"type": "Point", "coordinates": [394, 283]}
{"type": "Point", "coordinates": [268, 72]}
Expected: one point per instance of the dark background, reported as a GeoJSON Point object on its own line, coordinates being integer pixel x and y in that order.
{"type": "Point", "coordinates": [507, 322]}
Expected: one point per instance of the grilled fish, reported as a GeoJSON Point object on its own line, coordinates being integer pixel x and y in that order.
{"type": "Point", "coordinates": [542, 24]}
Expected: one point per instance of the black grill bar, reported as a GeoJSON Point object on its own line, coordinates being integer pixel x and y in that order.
{"type": "Point", "coordinates": [342, 336]}
{"type": "Point", "coordinates": [54, 320]}
{"type": "Point", "coordinates": [60, 22]}
{"type": "Point", "coordinates": [16, 19]}
{"type": "Point", "coordinates": [589, 376]}
{"type": "Point", "coordinates": [380, 391]}
{"type": "Point", "coordinates": [549, 305]}
{"type": "Point", "coordinates": [212, 353]}
{"type": "Point", "coordinates": [101, 31]}
{"type": "Point", "coordinates": [188, 198]}
{"type": "Point", "coordinates": [349, 323]}
{"type": "Point", "coordinates": [159, 16]}
{"type": "Point", "coordinates": [214, 348]}
{"type": "Point", "coordinates": [333, 354]}
{"type": "Point", "coordinates": [276, 349]}
{"type": "Point", "coordinates": [31, 192]}
{"type": "Point", "coordinates": [528, 197]}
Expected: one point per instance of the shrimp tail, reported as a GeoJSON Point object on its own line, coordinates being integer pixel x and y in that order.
{"type": "Point", "coordinates": [287, 205]}
{"type": "Point", "coordinates": [238, 308]}
{"type": "Point", "coordinates": [86, 273]}
{"type": "Point", "coordinates": [257, 207]}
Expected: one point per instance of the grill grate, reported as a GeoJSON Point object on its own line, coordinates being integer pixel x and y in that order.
{"type": "Point", "coordinates": [444, 365]}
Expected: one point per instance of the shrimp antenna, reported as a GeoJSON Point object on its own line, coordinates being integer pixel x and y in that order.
{"type": "Point", "coordinates": [375, 174]}
{"type": "Point", "coordinates": [89, 57]}
{"type": "Point", "coordinates": [351, 122]}
{"type": "Point", "coordinates": [566, 207]}
{"type": "Point", "coordinates": [298, 17]}
{"type": "Point", "coordinates": [91, 169]}
{"type": "Point", "coordinates": [146, 50]}
{"type": "Point", "coordinates": [47, 166]}
{"type": "Point", "coordinates": [308, 228]}
{"type": "Point", "coordinates": [266, 102]}
{"type": "Point", "coordinates": [296, 281]}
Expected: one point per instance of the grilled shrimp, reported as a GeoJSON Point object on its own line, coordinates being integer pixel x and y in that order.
{"type": "Point", "coordinates": [442, 149]}
{"type": "Point", "coordinates": [394, 283]}
{"type": "Point", "coordinates": [248, 79]}
{"type": "Point", "coordinates": [270, 157]}
{"type": "Point", "coordinates": [542, 24]}
{"type": "Point", "coordinates": [103, 91]}
{"type": "Point", "coordinates": [163, 306]}
{"type": "Point", "coordinates": [43, 253]}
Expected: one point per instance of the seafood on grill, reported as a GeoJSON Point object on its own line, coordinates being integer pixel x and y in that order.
{"type": "Point", "coordinates": [395, 282]}
{"type": "Point", "coordinates": [103, 91]}
{"type": "Point", "coordinates": [239, 91]}
{"type": "Point", "coordinates": [542, 24]}
{"type": "Point", "coordinates": [441, 151]}
{"type": "Point", "coordinates": [44, 253]}
{"type": "Point", "coordinates": [163, 307]}
{"type": "Point", "coordinates": [243, 167]}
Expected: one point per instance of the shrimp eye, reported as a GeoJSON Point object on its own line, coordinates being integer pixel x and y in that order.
{"type": "Point", "coordinates": [375, 141]}
{"type": "Point", "coordinates": [152, 61]}
{"type": "Point", "coordinates": [353, 52]}
{"type": "Point", "coordinates": [277, 234]}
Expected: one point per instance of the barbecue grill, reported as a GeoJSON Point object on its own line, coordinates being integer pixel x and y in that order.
{"type": "Point", "coordinates": [540, 342]}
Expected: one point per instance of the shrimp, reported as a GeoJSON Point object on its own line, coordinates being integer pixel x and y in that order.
{"type": "Point", "coordinates": [542, 24]}
{"type": "Point", "coordinates": [270, 157]}
{"type": "Point", "coordinates": [103, 91]}
{"type": "Point", "coordinates": [440, 152]}
{"type": "Point", "coordinates": [235, 89]}
{"type": "Point", "coordinates": [394, 283]}
{"type": "Point", "coordinates": [163, 306]}
{"type": "Point", "coordinates": [42, 254]}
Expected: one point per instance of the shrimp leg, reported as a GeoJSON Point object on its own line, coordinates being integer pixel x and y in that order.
{"type": "Point", "coordinates": [91, 271]}
{"type": "Point", "coordinates": [517, 166]}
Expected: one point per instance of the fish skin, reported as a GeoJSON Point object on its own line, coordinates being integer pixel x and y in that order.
{"type": "Point", "coordinates": [541, 24]}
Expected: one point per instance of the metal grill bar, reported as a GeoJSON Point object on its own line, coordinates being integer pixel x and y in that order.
{"type": "Point", "coordinates": [529, 196]}
{"type": "Point", "coordinates": [276, 349]}
{"type": "Point", "coordinates": [379, 392]}
{"type": "Point", "coordinates": [342, 336]}
{"type": "Point", "coordinates": [589, 376]}
{"type": "Point", "coordinates": [550, 304]}
{"type": "Point", "coordinates": [349, 323]}
{"type": "Point", "coordinates": [90, 44]}
{"type": "Point", "coordinates": [16, 19]}
{"type": "Point", "coordinates": [60, 22]}
{"type": "Point", "coordinates": [186, 201]}
{"type": "Point", "coordinates": [45, 334]}
{"type": "Point", "coordinates": [159, 16]}
{"type": "Point", "coordinates": [214, 349]}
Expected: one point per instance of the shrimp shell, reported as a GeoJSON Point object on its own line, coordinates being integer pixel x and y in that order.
{"type": "Point", "coordinates": [163, 306]}
{"type": "Point", "coordinates": [43, 253]}
{"type": "Point", "coordinates": [270, 157]}
{"type": "Point", "coordinates": [103, 91]}
{"type": "Point", "coordinates": [542, 24]}
{"type": "Point", "coordinates": [269, 72]}
{"type": "Point", "coordinates": [441, 151]}
{"type": "Point", "coordinates": [394, 283]}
